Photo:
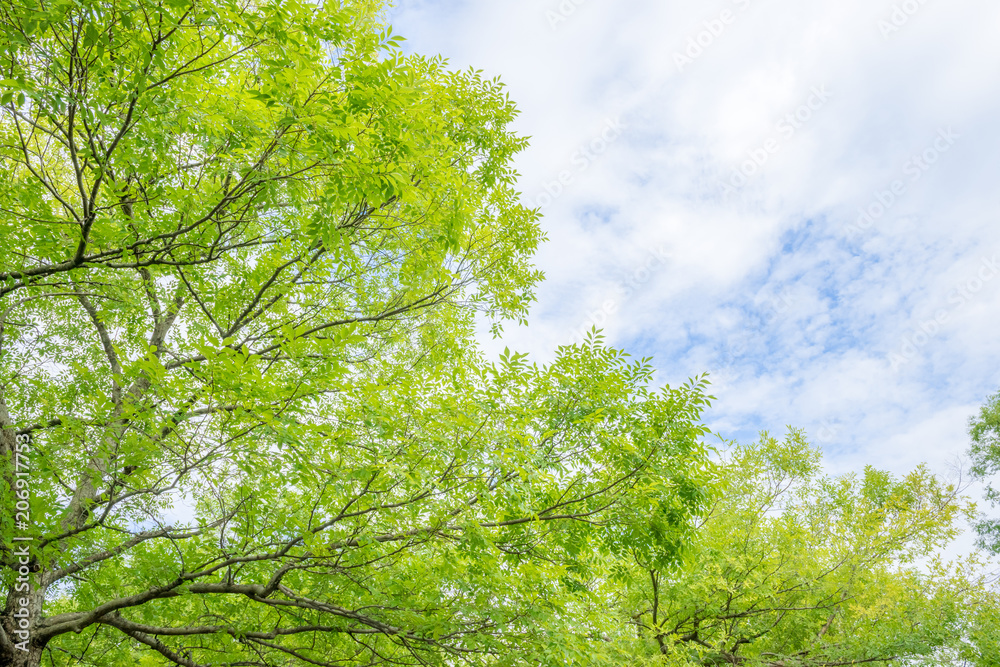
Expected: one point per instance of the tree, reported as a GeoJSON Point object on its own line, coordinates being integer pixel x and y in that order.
{"type": "Point", "coordinates": [984, 430]}
{"type": "Point", "coordinates": [243, 243]}
{"type": "Point", "coordinates": [790, 567]}
{"type": "Point", "coordinates": [982, 645]}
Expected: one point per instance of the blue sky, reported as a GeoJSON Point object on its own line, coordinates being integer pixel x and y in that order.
{"type": "Point", "coordinates": [799, 198]}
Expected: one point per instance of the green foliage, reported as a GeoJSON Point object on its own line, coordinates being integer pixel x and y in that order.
{"type": "Point", "coordinates": [984, 429]}
{"type": "Point", "coordinates": [983, 646]}
{"type": "Point", "coordinates": [244, 243]}
{"type": "Point", "coordinates": [793, 567]}
{"type": "Point", "coordinates": [243, 246]}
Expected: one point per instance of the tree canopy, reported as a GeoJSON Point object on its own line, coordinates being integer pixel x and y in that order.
{"type": "Point", "coordinates": [793, 567]}
{"type": "Point", "coordinates": [984, 430]}
{"type": "Point", "coordinates": [244, 421]}
{"type": "Point", "coordinates": [243, 243]}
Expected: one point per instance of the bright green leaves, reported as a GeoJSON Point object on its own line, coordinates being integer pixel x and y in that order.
{"type": "Point", "coordinates": [243, 248]}
{"type": "Point", "coordinates": [230, 109]}
{"type": "Point", "coordinates": [791, 566]}
{"type": "Point", "coordinates": [984, 430]}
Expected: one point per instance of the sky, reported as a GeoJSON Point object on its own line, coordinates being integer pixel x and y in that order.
{"type": "Point", "coordinates": [800, 199]}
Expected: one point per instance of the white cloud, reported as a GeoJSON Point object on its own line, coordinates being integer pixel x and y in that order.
{"type": "Point", "coordinates": [796, 314]}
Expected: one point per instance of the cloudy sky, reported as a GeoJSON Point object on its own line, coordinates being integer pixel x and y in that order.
{"type": "Point", "coordinates": [799, 198]}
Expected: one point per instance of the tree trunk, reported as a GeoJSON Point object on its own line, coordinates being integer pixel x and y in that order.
{"type": "Point", "coordinates": [22, 609]}
{"type": "Point", "coordinates": [21, 646]}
